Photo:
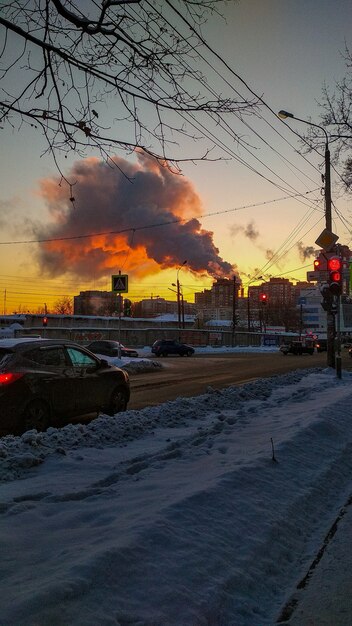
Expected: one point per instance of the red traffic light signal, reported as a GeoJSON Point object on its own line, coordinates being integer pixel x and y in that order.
{"type": "Point", "coordinates": [45, 321]}
{"type": "Point", "coordinates": [263, 298]}
{"type": "Point", "coordinates": [317, 264]}
{"type": "Point", "coordinates": [335, 275]}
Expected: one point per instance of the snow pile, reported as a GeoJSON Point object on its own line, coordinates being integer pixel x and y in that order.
{"type": "Point", "coordinates": [205, 510]}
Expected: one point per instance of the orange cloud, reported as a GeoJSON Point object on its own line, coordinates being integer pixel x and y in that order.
{"type": "Point", "coordinates": [136, 215]}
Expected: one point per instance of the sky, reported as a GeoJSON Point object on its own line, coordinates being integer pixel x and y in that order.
{"type": "Point", "coordinates": [237, 208]}
{"type": "Point", "coordinates": [204, 510]}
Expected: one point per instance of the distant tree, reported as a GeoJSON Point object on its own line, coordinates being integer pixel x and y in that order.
{"type": "Point", "coordinates": [40, 310]}
{"type": "Point", "coordinates": [118, 74]}
{"type": "Point", "coordinates": [63, 306]}
{"type": "Point", "coordinates": [286, 315]}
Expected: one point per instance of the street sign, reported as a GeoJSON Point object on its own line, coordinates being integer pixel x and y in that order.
{"type": "Point", "coordinates": [326, 239]}
{"type": "Point", "coordinates": [119, 283]}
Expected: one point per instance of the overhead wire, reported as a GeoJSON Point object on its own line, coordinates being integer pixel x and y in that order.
{"type": "Point", "coordinates": [259, 98]}
{"type": "Point", "coordinates": [133, 229]}
{"type": "Point", "coordinates": [222, 122]}
{"type": "Point", "coordinates": [214, 139]}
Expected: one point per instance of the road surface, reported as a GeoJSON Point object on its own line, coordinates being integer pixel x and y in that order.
{"type": "Point", "coordinates": [182, 377]}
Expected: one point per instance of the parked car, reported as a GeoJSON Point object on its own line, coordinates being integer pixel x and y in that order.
{"type": "Point", "coordinates": [110, 348]}
{"type": "Point", "coordinates": [164, 347]}
{"type": "Point", "coordinates": [45, 382]}
{"type": "Point", "coordinates": [297, 347]}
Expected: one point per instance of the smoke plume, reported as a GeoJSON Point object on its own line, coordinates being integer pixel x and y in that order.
{"type": "Point", "coordinates": [130, 197]}
{"type": "Point", "coordinates": [305, 252]}
{"type": "Point", "coordinates": [249, 231]}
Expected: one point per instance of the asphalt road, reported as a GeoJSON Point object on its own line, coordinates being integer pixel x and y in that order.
{"type": "Point", "coordinates": [191, 376]}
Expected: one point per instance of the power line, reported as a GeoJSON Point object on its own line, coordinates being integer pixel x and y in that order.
{"type": "Point", "coordinates": [134, 229]}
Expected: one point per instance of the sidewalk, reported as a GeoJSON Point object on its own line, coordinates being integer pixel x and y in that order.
{"type": "Point", "coordinates": [326, 599]}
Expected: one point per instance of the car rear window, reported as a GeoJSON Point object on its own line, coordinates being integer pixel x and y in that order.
{"type": "Point", "coordinates": [5, 355]}
{"type": "Point", "coordinates": [52, 356]}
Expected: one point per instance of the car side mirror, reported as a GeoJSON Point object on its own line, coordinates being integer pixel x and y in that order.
{"type": "Point", "coordinates": [103, 363]}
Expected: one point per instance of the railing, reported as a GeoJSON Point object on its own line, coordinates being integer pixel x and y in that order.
{"type": "Point", "coordinates": [141, 337]}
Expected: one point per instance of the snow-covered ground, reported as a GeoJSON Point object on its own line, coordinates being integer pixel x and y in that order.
{"type": "Point", "coordinates": [201, 511]}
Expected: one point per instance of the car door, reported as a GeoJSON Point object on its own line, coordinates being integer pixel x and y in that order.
{"type": "Point", "coordinates": [53, 378]}
{"type": "Point", "coordinates": [174, 347]}
{"type": "Point", "coordinates": [91, 387]}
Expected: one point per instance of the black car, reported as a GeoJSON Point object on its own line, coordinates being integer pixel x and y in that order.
{"type": "Point", "coordinates": [297, 347]}
{"type": "Point", "coordinates": [164, 347]}
{"type": "Point", "coordinates": [321, 345]}
{"type": "Point", "coordinates": [111, 348]}
{"type": "Point", "coordinates": [45, 382]}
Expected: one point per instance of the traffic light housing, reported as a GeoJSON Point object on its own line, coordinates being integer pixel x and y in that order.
{"type": "Point", "coordinates": [335, 275]}
{"type": "Point", "coordinates": [263, 298]}
{"type": "Point", "coordinates": [327, 302]}
{"type": "Point", "coordinates": [45, 321]}
{"type": "Point", "coordinates": [317, 265]}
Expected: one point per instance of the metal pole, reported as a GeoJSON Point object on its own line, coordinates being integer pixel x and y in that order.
{"type": "Point", "coordinates": [178, 302]}
{"type": "Point", "coordinates": [330, 317]}
{"type": "Point", "coordinates": [327, 188]}
{"type": "Point", "coordinates": [234, 311]}
{"type": "Point", "coordinates": [338, 340]}
{"type": "Point", "coordinates": [119, 328]}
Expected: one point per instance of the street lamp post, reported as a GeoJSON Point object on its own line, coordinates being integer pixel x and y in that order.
{"type": "Point", "coordinates": [179, 294]}
{"type": "Point", "coordinates": [327, 175]}
{"type": "Point", "coordinates": [330, 318]}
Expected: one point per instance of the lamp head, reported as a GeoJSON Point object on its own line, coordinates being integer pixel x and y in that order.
{"type": "Point", "coordinates": [284, 114]}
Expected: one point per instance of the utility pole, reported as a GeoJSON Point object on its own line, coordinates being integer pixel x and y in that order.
{"type": "Point", "coordinates": [182, 310]}
{"type": "Point", "coordinates": [178, 294]}
{"type": "Point", "coordinates": [330, 317]}
{"type": "Point", "coordinates": [234, 311]}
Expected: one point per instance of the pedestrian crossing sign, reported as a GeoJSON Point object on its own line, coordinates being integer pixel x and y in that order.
{"type": "Point", "coordinates": [120, 283]}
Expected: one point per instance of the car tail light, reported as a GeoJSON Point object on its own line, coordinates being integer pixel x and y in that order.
{"type": "Point", "coordinates": [9, 377]}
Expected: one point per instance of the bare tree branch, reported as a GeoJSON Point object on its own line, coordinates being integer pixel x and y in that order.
{"type": "Point", "coordinates": [336, 118]}
{"type": "Point", "coordinates": [114, 76]}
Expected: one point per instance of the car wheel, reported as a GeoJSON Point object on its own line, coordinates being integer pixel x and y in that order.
{"type": "Point", "coordinates": [164, 353]}
{"type": "Point", "coordinates": [189, 353]}
{"type": "Point", "coordinates": [36, 415]}
{"type": "Point", "coordinates": [118, 401]}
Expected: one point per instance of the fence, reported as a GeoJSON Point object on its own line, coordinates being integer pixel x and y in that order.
{"type": "Point", "coordinates": [141, 337]}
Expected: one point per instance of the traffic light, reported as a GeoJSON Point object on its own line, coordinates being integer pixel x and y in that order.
{"type": "Point", "coordinates": [317, 265]}
{"type": "Point", "coordinates": [127, 307]}
{"type": "Point", "coordinates": [327, 302]}
{"type": "Point", "coordinates": [335, 275]}
{"type": "Point", "coordinates": [45, 321]}
{"type": "Point", "coordinates": [263, 298]}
